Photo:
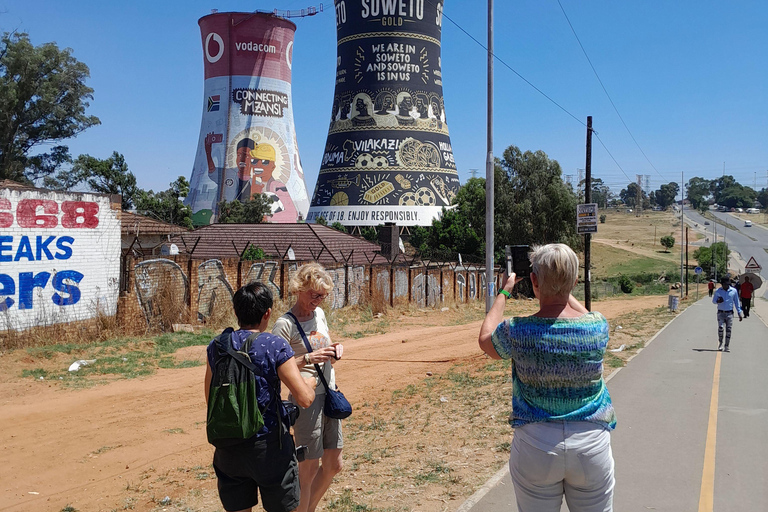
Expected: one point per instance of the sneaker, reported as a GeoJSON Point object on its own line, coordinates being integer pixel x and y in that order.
{"type": "Point", "coordinates": [720, 346]}
{"type": "Point", "coordinates": [727, 349]}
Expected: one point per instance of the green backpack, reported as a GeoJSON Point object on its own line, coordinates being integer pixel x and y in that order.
{"type": "Point", "coordinates": [233, 409]}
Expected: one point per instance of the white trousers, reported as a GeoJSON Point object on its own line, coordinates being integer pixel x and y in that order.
{"type": "Point", "coordinates": [552, 459]}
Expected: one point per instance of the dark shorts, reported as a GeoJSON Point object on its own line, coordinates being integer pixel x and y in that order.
{"type": "Point", "coordinates": [262, 466]}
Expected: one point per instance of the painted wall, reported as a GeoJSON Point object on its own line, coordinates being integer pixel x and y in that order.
{"type": "Point", "coordinates": [59, 257]}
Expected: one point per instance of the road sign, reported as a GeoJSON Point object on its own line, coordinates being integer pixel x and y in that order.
{"type": "Point", "coordinates": [698, 270]}
{"type": "Point", "coordinates": [586, 218]}
{"type": "Point", "coordinates": [752, 265]}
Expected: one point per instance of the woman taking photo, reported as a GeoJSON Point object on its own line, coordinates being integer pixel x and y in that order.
{"type": "Point", "coordinates": [561, 409]}
{"type": "Point", "coordinates": [322, 436]}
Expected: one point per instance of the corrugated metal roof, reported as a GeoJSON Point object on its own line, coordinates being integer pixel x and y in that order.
{"type": "Point", "coordinates": [308, 241]}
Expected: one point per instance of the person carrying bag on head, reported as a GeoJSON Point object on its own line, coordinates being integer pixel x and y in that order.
{"type": "Point", "coordinates": [320, 432]}
{"type": "Point", "coordinates": [246, 420]}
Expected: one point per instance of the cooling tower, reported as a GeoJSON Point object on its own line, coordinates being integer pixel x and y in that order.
{"type": "Point", "coordinates": [388, 156]}
{"type": "Point", "coordinates": [247, 144]}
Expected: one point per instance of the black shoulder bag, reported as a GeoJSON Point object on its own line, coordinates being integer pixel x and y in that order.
{"type": "Point", "coordinates": [336, 405]}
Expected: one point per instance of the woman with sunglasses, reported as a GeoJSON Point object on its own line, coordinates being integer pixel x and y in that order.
{"type": "Point", "coordinates": [322, 436]}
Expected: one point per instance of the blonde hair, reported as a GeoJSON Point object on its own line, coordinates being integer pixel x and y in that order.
{"type": "Point", "coordinates": [311, 276]}
{"type": "Point", "coordinates": [556, 266]}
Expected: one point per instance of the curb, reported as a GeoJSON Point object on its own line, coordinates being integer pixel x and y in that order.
{"type": "Point", "coordinates": [504, 471]}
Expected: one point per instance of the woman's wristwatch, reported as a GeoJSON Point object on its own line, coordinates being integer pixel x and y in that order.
{"type": "Point", "coordinates": [505, 293]}
{"type": "Point", "coordinates": [306, 359]}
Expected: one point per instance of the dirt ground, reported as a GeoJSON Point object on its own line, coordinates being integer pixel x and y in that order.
{"type": "Point", "coordinates": [140, 444]}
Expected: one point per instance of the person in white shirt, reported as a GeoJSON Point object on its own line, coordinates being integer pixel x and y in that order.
{"type": "Point", "coordinates": [726, 299]}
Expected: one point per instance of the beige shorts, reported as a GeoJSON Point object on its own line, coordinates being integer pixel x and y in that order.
{"type": "Point", "coordinates": [315, 431]}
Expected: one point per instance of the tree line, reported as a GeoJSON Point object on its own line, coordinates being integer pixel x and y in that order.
{"type": "Point", "coordinates": [43, 102]}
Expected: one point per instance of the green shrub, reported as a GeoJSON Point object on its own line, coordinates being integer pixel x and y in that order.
{"type": "Point", "coordinates": [253, 253]}
{"type": "Point", "coordinates": [626, 284]}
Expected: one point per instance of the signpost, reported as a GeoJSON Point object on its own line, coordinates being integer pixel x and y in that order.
{"type": "Point", "coordinates": [586, 218]}
{"type": "Point", "coordinates": [753, 265]}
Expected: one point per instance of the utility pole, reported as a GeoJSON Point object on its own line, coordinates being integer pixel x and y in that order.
{"type": "Point", "coordinates": [686, 261]}
{"type": "Point", "coordinates": [713, 246]}
{"type": "Point", "coordinates": [639, 196]}
{"type": "Point", "coordinates": [490, 278]}
{"type": "Point", "coordinates": [682, 230]}
{"type": "Point", "coordinates": [588, 236]}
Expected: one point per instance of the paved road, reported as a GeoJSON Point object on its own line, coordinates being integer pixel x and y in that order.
{"type": "Point", "coordinates": [748, 242]}
{"type": "Point", "coordinates": [692, 422]}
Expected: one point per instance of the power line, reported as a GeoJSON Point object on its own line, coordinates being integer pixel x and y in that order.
{"type": "Point", "coordinates": [484, 47]}
{"type": "Point", "coordinates": [606, 90]}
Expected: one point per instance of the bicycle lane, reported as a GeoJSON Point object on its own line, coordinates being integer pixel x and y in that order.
{"type": "Point", "coordinates": [668, 419]}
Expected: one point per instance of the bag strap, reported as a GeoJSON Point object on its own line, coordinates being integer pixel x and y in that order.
{"type": "Point", "coordinates": [309, 349]}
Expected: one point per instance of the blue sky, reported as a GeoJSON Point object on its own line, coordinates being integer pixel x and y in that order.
{"type": "Point", "coordinates": [688, 77]}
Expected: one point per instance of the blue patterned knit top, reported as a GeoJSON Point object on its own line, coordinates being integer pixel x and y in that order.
{"type": "Point", "coordinates": [557, 368]}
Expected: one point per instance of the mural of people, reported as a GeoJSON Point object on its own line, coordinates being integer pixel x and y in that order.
{"type": "Point", "coordinates": [361, 114]}
{"type": "Point", "coordinates": [405, 106]}
{"type": "Point", "coordinates": [265, 179]}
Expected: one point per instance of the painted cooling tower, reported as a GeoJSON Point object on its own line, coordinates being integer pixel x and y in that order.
{"type": "Point", "coordinates": [247, 143]}
{"type": "Point", "coordinates": [388, 157]}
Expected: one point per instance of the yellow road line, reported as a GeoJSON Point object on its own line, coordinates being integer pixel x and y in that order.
{"type": "Point", "coordinates": [707, 496]}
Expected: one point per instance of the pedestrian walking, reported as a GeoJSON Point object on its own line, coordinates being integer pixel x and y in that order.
{"type": "Point", "coordinates": [726, 299]}
{"type": "Point", "coordinates": [711, 286]}
{"type": "Point", "coordinates": [746, 295]}
{"type": "Point", "coordinates": [561, 410]}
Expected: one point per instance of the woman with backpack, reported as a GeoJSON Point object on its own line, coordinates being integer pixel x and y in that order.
{"type": "Point", "coordinates": [311, 284]}
{"type": "Point", "coordinates": [256, 361]}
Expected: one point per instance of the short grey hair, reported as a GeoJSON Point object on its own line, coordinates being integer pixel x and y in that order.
{"type": "Point", "coordinates": [556, 266]}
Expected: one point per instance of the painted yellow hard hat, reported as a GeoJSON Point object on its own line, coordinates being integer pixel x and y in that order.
{"type": "Point", "coordinates": [263, 152]}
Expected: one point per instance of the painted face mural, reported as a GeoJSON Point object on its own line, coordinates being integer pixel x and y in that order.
{"type": "Point", "coordinates": [247, 139]}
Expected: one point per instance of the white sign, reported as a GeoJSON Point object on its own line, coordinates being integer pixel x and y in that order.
{"type": "Point", "coordinates": [59, 257]}
{"type": "Point", "coordinates": [752, 264]}
{"type": "Point", "coordinates": [586, 218]}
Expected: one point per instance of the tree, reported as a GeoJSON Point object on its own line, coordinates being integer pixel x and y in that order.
{"type": "Point", "coordinates": [167, 205]}
{"type": "Point", "coordinates": [109, 176]}
{"type": "Point", "coordinates": [762, 197]}
{"type": "Point", "coordinates": [704, 256]}
{"type": "Point", "coordinates": [698, 191]}
{"type": "Point", "coordinates": [448, 235]}
{"type": "Point", "coordinates": [253, 253]}
{"type": "Point", "coordinates": [737, 196]}
{"type": "Point", "coordinates": [629, 195]}
{"type": "Point", "coordinates": [253, 211]}
{"type": "Point", "coordinates": [601, 193]}
{"type": "Point", "coordinates": [717, 186]}
{"type": "Point", "coordinates": [665, 196]}
{"type": "Point", "coordinates": [43, 98]}
{"type": "Point", "coordinates": [338, 226]}
{"type": "Point", "coordinates": [668, 242]}
{"type": "Point", "coordinates": [533, 204]}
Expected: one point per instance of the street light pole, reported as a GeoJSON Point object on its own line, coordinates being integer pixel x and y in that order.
{"type": "Point", "coordinates": [490, 278]}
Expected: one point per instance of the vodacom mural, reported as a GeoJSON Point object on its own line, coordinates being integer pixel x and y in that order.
{"type": "Point", "coordinates": [247, 144]}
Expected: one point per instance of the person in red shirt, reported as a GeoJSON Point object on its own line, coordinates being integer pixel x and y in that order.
{"type": "Point", "coordinates": [746, 295]}
{"type": "Point", "coordinates": [711, 286]}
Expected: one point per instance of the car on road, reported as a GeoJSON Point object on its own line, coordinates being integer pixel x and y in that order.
{"type": "Point", "coordinates": [747, 223]}
{"type": "Point", "coordinates": [740, 210]}
{"type": "Point", "coordinates": [706, 223]}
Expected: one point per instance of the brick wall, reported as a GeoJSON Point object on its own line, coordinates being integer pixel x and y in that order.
{"type": "Point", "coordinates": [59, 257]}
{"type": "Point", "coordinates": [157, 286]}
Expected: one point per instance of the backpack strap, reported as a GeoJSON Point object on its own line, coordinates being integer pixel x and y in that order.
{"type": "Point", "coordinates": [224, 343]}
